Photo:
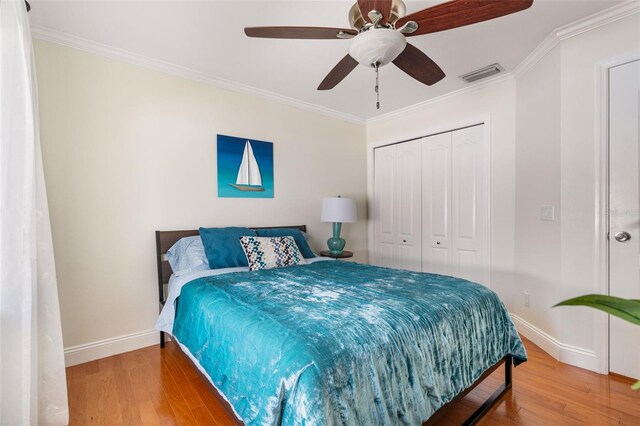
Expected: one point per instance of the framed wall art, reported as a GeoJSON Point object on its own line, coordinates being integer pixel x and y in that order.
{"type": "Point", "coordinates": [245, 168]}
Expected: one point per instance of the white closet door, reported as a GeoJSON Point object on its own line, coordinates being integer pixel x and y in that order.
{"type": "Point", "coordinates": [383, 209]}
{"type": "Point", "coordinates": [408, 205]}
{"type": "Point", "coordinates": [468, 204]}
{"type": "Point", "coordinates": [436, 204]}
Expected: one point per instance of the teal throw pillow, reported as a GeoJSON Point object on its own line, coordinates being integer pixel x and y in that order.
{"type": "Point", "coordinates": [222, 246]}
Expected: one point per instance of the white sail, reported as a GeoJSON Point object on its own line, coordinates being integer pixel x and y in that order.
{"type": "Point", "coordinates": [243, 171]}
{"type": "Point", "coordinates": [249, 172]}
{"type": "Point", "coordinates": [255, 178]}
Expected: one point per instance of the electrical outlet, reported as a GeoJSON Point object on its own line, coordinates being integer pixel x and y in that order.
{"type": "Point", "coordinates": [526, 299]}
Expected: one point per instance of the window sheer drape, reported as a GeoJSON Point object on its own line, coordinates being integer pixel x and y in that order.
{"type": "Point", "coordinates": [32, 376]}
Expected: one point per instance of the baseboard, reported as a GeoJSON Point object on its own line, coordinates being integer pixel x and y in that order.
{"type": "Point", "coordinates": [568, 354]}
{"type": "Point", "coordinates": [108, 347]}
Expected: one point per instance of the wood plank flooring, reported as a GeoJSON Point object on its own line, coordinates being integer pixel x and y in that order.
{"type": "Point", "coordinates": [154, 386]}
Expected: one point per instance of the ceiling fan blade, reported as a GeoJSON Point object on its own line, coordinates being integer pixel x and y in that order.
{"type": "Point", "coordinates": [418, 65]}
{"type": "Point", "coordinates": [382, 6]}
{"type": "Point", "coordinates": [338, 73]}
{"type": "Point", "coordinates": [458, 13]}
{"type": "Point", "coordinates": [300, 32]}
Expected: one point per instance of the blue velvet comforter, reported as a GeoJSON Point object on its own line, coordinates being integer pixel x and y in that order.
{"type": "Point", "coordinates": [342, 343]}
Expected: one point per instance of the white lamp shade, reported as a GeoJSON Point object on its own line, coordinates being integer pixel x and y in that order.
{"type": "Point", "coordinates": [338, 209]}
{"type": "Point", "coordinates": [377, 46]}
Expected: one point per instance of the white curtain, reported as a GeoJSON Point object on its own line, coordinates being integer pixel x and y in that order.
{"type": "Point", "coordinates": [33, 388]}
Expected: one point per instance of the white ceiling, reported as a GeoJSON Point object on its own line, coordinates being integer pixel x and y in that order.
{"type": "Point", "coordinates": [207, 36]}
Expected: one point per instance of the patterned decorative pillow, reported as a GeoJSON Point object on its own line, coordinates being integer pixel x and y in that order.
{"type": "Point", "coordinates": [271, 252]}
{"type": "Point", "coordinates": [297, 235]}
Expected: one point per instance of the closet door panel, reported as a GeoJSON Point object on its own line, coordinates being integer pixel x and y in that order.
{"type": "Point", "coordinates": [466, 265]}
{"type": "Point", "coordinates": [384, 210]}
{"type": "Point", "coordinates": [436, 204]}
{"type": "Point", "coordinates": [467, 204]}
{"type": "Point", "coordinates": [408, 205]}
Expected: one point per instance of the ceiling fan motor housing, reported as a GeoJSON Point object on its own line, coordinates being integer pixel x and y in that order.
{"type": "Point", "coordinates": [377, 46]}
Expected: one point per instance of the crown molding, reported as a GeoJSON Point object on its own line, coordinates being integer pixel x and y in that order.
{"type": "Point", "coordinates": [495, 81]}
{"type": "Point", "coordinates": [612, 14]}
{"type": "Point", "coordinates": [581, 26]}
{"type": "Point", "coordinates": [90, 46]}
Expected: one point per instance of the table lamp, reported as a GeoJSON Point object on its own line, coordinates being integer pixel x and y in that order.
{"type": "Point", "coordinates": [337, 210]}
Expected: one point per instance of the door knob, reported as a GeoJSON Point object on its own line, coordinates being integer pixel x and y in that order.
{"type": "Point", "coordinates": [622, 236]}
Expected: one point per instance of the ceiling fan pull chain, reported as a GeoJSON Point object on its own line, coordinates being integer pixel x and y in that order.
{"type": "Point", "coordinates": [375, 66]}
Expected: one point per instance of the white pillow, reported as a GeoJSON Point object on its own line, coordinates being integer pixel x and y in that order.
{"type": "Point", "coordinates": [187, 255]}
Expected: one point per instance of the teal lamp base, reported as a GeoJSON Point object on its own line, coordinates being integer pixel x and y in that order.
{"type": "Point", "coordinates": [335, 243]}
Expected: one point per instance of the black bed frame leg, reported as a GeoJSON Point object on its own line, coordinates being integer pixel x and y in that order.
{"type": "Point", "coordinates": [162, 339]}
{"type": "Point", "coordinates": [504, 388]}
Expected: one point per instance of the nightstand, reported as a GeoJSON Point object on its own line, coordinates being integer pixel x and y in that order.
{"type": "Point", "coordinates": [344, 255]}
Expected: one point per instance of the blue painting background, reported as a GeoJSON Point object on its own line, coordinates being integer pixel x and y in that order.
{"type": "Point", "coordinates": [230, 151]}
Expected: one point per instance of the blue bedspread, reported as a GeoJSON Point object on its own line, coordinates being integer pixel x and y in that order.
{"type": "Point", "coordinates": [342, 343]}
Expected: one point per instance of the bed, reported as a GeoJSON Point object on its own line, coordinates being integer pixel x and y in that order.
{"type": "Point", "coordinates": [334, 342]}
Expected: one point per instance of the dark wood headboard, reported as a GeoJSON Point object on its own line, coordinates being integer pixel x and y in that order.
{"type": "Point", "coordinates": [165, 239]}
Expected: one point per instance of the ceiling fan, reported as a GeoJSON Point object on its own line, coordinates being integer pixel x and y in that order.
{"type": "Point", "coordinates": [379, 29]}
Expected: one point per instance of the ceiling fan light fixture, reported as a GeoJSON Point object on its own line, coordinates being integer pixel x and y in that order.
{"type": "Point", "coordinates": [377, 46]}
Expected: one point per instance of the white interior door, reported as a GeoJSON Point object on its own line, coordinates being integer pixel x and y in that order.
{"type": "Point", "coordinates": [468, 205]}
{"type": "Point", "coordinates": [624, 205]}
{"type": "Point", "coordinates": [436, 204]}
{"type": "Point", "coordinates": [408, 205]}
{"type": "Point", "coordinates": [383, 208]}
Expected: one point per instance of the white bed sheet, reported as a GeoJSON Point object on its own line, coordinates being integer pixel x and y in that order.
{"type": "Point", "coordinates": [168, 313]}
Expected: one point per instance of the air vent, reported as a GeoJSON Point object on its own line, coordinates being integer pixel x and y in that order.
{"type": "Point", "coordinates": [482, 73]}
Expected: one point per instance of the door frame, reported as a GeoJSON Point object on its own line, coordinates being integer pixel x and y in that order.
{"type": "Point", "coordinates": [601, 226]}
{"type": "Point", "coordinates": [419, 133]}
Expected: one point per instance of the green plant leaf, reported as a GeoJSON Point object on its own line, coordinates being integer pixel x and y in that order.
{"type": "Point", "coordinates": [627, 309]}
{"type": "Point", "coordinates": [636, 386]}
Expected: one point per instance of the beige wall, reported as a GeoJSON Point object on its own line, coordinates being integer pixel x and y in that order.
{"type": "Point", "coordinates": [128, 151]}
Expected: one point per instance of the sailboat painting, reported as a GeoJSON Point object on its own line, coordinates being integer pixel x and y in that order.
{"type": "Point", "coordinates": [245, 168]}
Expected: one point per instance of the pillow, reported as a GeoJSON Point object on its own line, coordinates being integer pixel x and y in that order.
{"type": "Point", "coordinates": [297, 235]}
{"type": "Point", "coordinates": [271, 252]}
{"type": "Point", "coordinates": [222, 246]}
{"type": "Point", "coordinates": [187, 255]}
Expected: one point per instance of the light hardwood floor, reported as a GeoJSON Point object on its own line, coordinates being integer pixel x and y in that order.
{"type": "Point", "coordinates": [154, 386]}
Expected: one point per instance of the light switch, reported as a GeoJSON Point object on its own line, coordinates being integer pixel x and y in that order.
{"type": "Point", "coordinates": [547, 212]}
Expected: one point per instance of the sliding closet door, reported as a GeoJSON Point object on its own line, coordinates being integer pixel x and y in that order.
{"type": "Point", "coordinates": [468, 205]}
{"type": "Point", "coordinates": [436, 204]}
{"type": "Point", "coordinates": [383, 208]}
{"type": "Point", "coordinates": [408, 206]}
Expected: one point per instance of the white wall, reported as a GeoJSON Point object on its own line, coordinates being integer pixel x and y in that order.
{"type": "Point", "coordinates": [580, 57]}
{"type": "Point", "coordinates": [498, 104]}
{"type": "Point", "coordinates": [128, 151]}
{"type": "Point", "coordinates": [543, 145]}
{"type": "Point", "coordinates": [538, 263]}
{"type": "Point", "coordinates": [556, 164]}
